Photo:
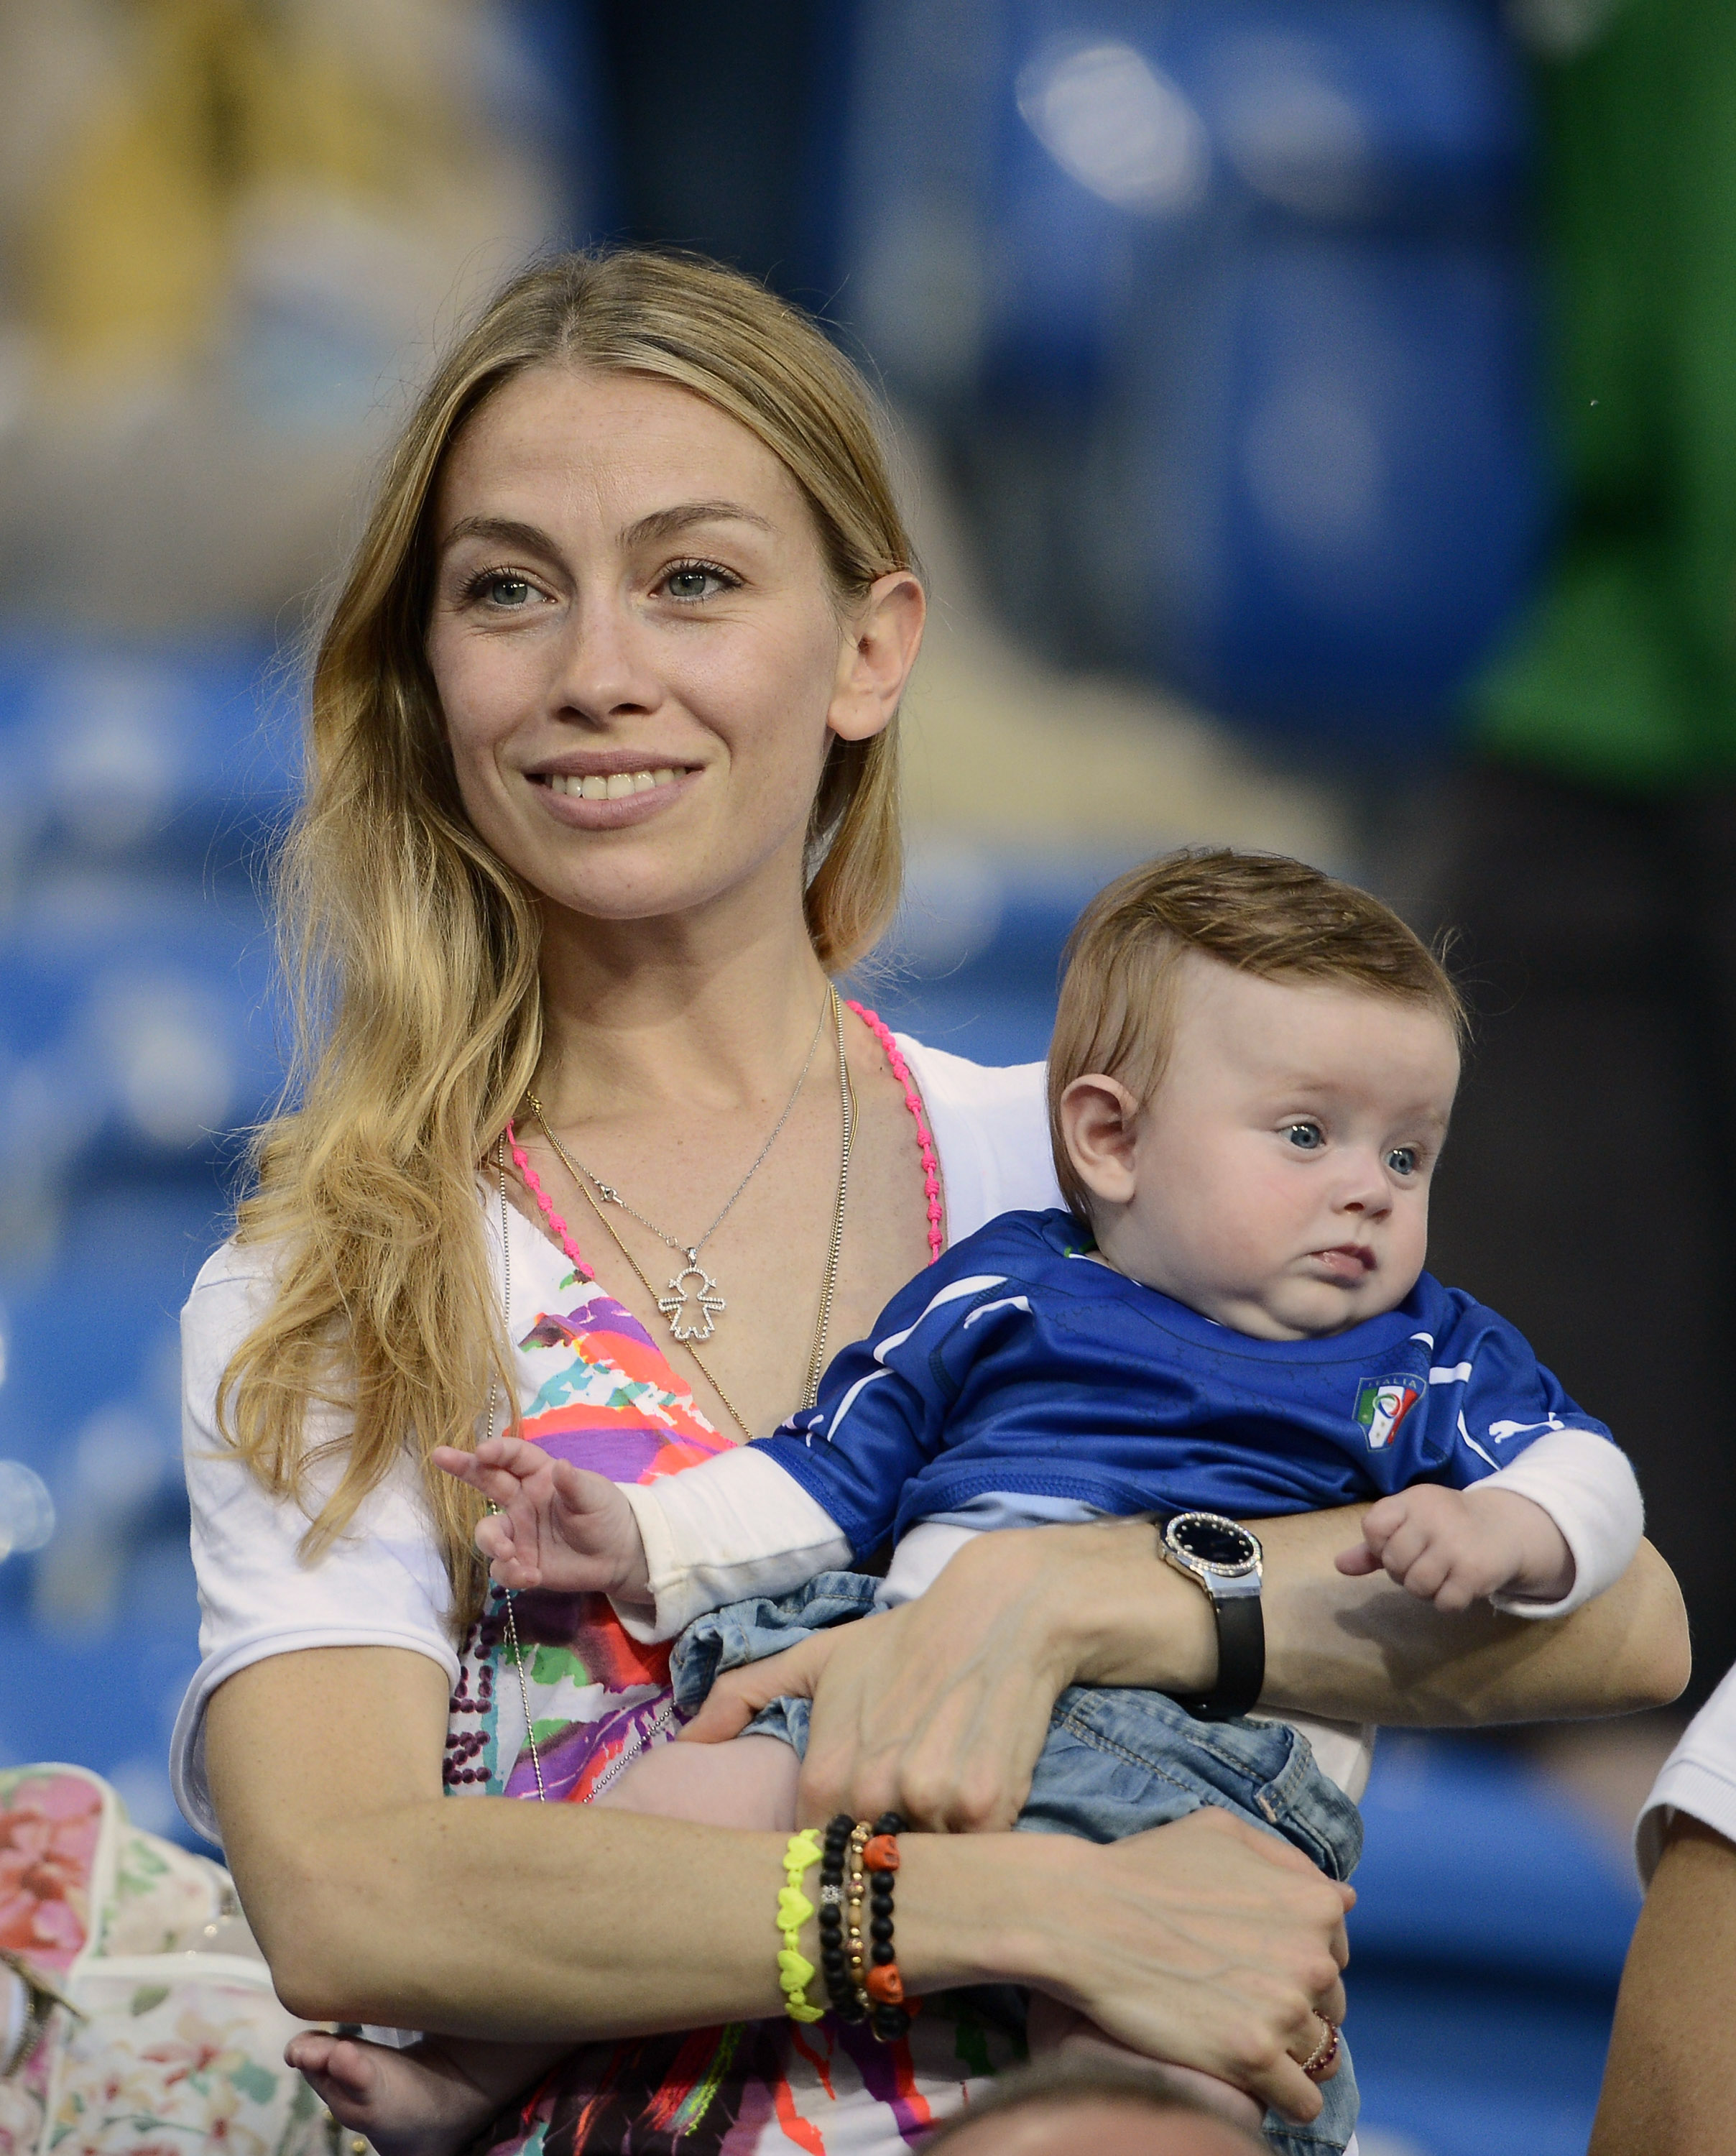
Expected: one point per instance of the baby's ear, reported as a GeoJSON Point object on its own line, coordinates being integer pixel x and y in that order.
{"type": "Point", "coordinates": [1099, 1122]}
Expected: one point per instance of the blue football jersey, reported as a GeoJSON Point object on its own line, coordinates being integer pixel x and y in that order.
{"type": "Point", "coordinates": [1019, 1365]}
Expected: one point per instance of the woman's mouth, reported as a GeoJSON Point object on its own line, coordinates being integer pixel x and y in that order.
{"type": "Point", "coordinates": [617, 786]}
{"type": "Point", "coordinates": [610, 800]}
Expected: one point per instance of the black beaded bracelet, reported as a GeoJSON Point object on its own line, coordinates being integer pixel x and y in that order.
{"type": "Point", "coordinates": [860, 1967]}
{"type": "Point", "coordinates": [834, 1960]}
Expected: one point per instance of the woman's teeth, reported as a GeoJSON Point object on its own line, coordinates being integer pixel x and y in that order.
{"type": "Point", "coordinates": [615, 788]}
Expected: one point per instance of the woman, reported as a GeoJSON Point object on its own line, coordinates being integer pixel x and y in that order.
{"type": "Point", "coordinates": [603, 789]}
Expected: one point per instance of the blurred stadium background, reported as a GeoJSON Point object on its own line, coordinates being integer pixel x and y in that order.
{"type": "Point", "coordinates": [1244, 357]}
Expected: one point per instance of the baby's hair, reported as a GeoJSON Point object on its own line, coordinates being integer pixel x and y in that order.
{"type": "Point", "coordinates": [1260, 913]}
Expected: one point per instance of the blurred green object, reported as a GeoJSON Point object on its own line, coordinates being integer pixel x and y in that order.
{"type": "Point", "coordinates": [1622, 675]}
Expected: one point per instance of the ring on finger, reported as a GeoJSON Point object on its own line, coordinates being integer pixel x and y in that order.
{"type": "Point", "coordinates": [1324, 2052]}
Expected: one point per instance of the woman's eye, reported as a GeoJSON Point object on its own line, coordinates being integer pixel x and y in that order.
{"type": "Point", "coordinates": [1306, 1137]}
{"type": "Point", "coordinates": [501, 589]}
{"type": "Point", "coordinates": [1402, 1160]}
{"type": "Point", "coordinates": [697, 580]}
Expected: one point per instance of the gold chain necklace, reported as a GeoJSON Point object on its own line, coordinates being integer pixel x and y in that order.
{"type": "Point", "coordinates": [816, 1359]}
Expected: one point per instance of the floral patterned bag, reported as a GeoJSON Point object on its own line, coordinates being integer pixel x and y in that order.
{"type": "Point", "coordinates": [148, 2025]}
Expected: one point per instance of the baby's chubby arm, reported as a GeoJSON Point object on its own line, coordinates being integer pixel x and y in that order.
{"type": "Point", "coordinates": [558, 1525]}
{"type": "Point", "coordinates": [1453, 1548]}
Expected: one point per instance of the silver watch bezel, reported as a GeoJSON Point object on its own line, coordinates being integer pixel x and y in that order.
{"type": "Point", "coordinates": [1243, 1577]}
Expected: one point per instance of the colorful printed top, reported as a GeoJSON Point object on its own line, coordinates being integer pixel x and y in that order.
{"type": "Point", "coordinates": [595, 1389]}
{"type": "Point", "coordinates": [590, 1381]}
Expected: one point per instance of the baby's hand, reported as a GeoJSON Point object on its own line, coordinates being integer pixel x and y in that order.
{"type": "Point", "coordinates": [1453, 1547]}
{"type": "Point", "coordinates": [558, 1526]}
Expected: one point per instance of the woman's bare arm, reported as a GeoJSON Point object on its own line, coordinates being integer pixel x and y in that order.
{"type": "Point", "coordinates": [940, 1706]}
{"type": "Point", "coordinates": [1364, 1650]}
{"type": "Point", "coordinates": [1673, 2053]}
{"type": "Point", "coordinates": [376, 1898]}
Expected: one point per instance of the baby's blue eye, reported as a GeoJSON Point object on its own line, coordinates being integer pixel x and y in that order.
{"type": "Point", "coordinates": [1402, 1160]}
{"type": "Point", "coordinates": [1306, 1137]}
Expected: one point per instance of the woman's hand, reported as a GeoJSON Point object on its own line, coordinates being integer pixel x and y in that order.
{"type": "Point", "coordinates": [1213, 1944]}
{"type": "Point", "coordinates": [1207, 1943]}
{"type": "Point", "coordinates": [937, 1709]}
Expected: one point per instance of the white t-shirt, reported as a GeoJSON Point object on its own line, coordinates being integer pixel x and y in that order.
{"type": "Point", "coordinates": [1698, 1778]}
{"type": "Point", "coordinates": [383, 1584]}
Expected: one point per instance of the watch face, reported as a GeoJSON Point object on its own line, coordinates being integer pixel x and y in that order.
{"type": "Point", "coordinates": [1217, 1543]}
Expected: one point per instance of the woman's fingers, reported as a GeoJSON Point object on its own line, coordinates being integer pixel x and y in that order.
{"type": "Point", "coordinates": [737, 1695]}
{"type": "Point", "coordinates": [1207, 1943]}
{"type": "Point", "coordinates": [937, 1709]}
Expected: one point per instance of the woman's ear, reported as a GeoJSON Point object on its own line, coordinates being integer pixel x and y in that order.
{"type": "Point", "coordinates": [879, 647]}
{"type": "Point", "coordinates": [1099, 1122]}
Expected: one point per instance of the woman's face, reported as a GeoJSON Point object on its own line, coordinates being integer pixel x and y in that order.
{"type": "Point", "coordinates": [640, 658]}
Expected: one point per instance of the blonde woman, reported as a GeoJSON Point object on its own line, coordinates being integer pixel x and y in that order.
{"type": "Point", "coordinates": [601, 794]}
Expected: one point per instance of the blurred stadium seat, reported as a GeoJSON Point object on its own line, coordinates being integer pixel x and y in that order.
{"type": "Point", "coordinates": [1224, 306]}
{"type": "Point", "coordinates": [141, 786]}
{"type": "Point", "coordinates": [1487, 1941]}
{"type": "Point", "coordinates": [153, 758]}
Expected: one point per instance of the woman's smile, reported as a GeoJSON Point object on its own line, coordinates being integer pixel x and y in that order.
{"type": "Point", "coordinates": [606, 793]}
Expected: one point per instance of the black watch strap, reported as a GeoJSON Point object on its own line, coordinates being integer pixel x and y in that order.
{"type": "Point", "coordinates": [1240, 1659]}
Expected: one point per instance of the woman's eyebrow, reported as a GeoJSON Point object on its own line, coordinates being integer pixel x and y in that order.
{"type": "Point", "coordinates": [503, 531]}
{"type": "Point", "coordinates": [665, 523]}
{"type": "Point", "coordinates": [661, 524]}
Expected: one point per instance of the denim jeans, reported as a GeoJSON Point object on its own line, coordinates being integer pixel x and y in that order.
{"type": "Point", "coordinates": [1116, 1762]}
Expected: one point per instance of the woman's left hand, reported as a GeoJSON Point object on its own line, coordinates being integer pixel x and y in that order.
{"type": "Point", "coordinates": [937, 1709]}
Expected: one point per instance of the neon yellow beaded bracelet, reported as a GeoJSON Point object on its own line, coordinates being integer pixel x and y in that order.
{"type": "Point", "coordinates": [794, 1908]}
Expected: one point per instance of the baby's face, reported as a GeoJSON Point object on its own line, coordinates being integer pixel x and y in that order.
{"type": "Point", "coordinates": [1280, 1175]}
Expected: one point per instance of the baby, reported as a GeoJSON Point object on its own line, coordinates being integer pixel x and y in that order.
{"type": "Point", "coordinates": [1251, 1075]}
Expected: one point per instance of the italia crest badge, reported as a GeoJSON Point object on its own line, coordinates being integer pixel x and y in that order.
{"type": "Point", "coordinates": [1382, 1404]}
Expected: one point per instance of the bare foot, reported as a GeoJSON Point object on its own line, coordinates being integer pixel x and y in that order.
{"type": "Point", "coordinates": [1051, 2026]}
{"type": "Point", "coordinates": [418, 2103]}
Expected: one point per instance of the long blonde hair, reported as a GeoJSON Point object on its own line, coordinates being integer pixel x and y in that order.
{"type": "Point", "coordinates": [413, 951]}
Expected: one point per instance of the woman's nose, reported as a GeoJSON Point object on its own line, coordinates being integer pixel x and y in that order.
{"type": "Point", "coordinates": [605, 669]}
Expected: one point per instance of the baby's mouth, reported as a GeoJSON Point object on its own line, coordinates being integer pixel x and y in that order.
{"type": "Point", "coordinates": [1350, 1262]}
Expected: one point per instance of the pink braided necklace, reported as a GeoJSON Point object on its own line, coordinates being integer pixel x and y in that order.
{"type": "Point", "coordinates": [913, 1101]}
{"type": "Point", "coordinates": [882, 1031]}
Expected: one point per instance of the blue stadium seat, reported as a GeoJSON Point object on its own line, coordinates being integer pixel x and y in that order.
{"type": "Point", "coordinates": [1487, 1943]}
{"type": "Point", "coordinates": [180, 757]}
{"type": "Point", "coordinates": [108, 1704]}
{"type": "Point", "coordinates": [1226, 308]}
{"type": "Point", "coordinates": [98, 1629]}
{"type": "Point", "coordinates": [90, 1398]}
{"type": "Point", "coordinates": [134, 1025]}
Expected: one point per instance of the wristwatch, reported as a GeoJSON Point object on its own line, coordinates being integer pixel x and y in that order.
{"type": "Point", "coordinates": [1224, 1559]}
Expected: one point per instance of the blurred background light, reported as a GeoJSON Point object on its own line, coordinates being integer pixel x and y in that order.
{"type": "Point", "coordinates": [27, 1511]}
{"type": "Point", "coordinates": [1119, 126]}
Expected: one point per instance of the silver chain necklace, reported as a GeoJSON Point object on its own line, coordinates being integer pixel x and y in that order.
{"type": "Point", "coordinates": [693, 1285]}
